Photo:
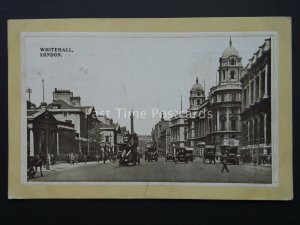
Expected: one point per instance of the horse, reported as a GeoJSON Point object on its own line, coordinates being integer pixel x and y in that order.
{"type": "Point", "coordinates": [33, 163]}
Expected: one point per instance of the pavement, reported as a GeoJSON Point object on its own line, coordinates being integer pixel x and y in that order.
{"type": "Point", "coordinates": [160, 171]}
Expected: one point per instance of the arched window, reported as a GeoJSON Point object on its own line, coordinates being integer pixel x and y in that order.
{"type": "Point", "coordinates": [232, 74]}
{"type": "Point", "coordinates": [198, 93]}
{"type": "Point", "coordinates": [232, 61]}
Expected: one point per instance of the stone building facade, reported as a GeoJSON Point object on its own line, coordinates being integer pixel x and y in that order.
{"type": "Point", "coordinates": [215, 123]}
{"type": "Point", "coordinates": [256, 104]}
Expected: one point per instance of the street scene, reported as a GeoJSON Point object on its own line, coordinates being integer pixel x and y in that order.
{"type": "Point", "coordinates": [152, 172]}
{"type": "Point", "coordinates": [207, 120]}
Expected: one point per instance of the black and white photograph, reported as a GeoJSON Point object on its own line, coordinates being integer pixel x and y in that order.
{"type": "Point", "coordinates": [162, 108]}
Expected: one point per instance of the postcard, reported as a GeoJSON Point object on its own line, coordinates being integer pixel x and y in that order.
{"type": "Point", "coordinates": [150, 108]}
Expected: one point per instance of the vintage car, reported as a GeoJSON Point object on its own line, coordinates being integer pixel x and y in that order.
{"type": "Point", "coordinates": [232, 156]}
{"type": "Point", "coordinates": [151, 154]}
{"type": "Point", "coordinates": [169, 156]}
{"type": "Point", "coordinates": [190, 154]}
{"type": "Point", "coordinates": [180, 155]}
{"type": "Point", "coordinates": [246, 156]}
{"type": "Point", "coordinates": [210, 155]}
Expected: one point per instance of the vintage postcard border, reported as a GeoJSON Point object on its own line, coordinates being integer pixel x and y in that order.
{"type": "Point", "coordinates": [280, 25]}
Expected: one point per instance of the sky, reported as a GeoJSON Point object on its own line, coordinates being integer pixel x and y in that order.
{"type": "Point", "coordinates": [120, 72]}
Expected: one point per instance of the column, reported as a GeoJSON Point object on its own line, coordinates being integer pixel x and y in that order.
{"type": "Point", "coordinates": [250, 93]}
{"type": "Point", "coordinates": [31, 151]}
{"type": "Point", "coordinates": [248, 131]}
{"type": "Point", "coordinates": [265, 128]}
{"type": "Point", "coordinates": [40, 142]}
{"type": "Point", "coordinates": [254, 90]}
{"type": "Point", "coordinates": [57, 143]}
{"type": "Point", "coordinates": [253, 131]}
{"type": "Point", "coordinates": [259, 85]}
{"type": "Point", "coordinates": [243, 99]}
{"type": "Point", "coordinates": [227, 119]}
{"type": "Point", "coordinates": [266, 81]}
{"type": "Point", "coordinates": [218, 120]}
{"type": "Point", "coordinates": [193, 129]}
{"type": "Point", "coordinates": [265, 134]}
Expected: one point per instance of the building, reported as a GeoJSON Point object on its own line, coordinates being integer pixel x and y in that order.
{"type": "Point", "coordinates": [256, 103]}
{"type": "Point", "coordinates": [158, 135]}
{"type": "Point", "coordinates": [165, 138]}
{"type": "Point", "coordinates": [67, 108]}
{"type": "Point", "coordinates": [109, 131]}
{"type": "Point", "coordinates": [196, 99]}
{"type": "Point", "coordinates": [143, 139]}
{"type": "Point", "coordinates": [178, 130]}
{"type": "Point", "coordinates": [215, 123]}
{"type": "Point", "coordinates": [47, 135]}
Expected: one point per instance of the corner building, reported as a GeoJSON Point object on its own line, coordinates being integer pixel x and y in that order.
{"type": "Point", "coordinates": [216, 122]}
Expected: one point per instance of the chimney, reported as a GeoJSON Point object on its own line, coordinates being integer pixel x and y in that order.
{"type": "Point", "coordinates": [131, 122]}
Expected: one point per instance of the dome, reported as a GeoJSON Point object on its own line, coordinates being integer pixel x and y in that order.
{"type": "Point", "coordinates": [197, 86]}
{"type": "Point", "coordinates": [230, 51]}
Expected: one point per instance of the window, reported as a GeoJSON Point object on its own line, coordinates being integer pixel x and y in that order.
{"type": "Point", "coordinates": [232, 73]}
{"type": "Point", "coordinates": [198, 93]}
{"type": "Point", "coordinates": [107, 138]}
{"type": "Point", "coordinates": [233, 125]}
{"type": "Point", "coordinates": [223, 75]}
{"type": "Point", "coordinates": [198, 102]}
{"type": "Point", "coordinates": [233, 97]}
{"type": "Point", "coordinates": [222, 98]}
{"type": "Point", "coordinates": [68, 121]}
{"type": "Point", "coordinates": [232, 61]}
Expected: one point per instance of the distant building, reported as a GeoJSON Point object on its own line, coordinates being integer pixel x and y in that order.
{"type": "Point", "coordinates": [178, 130]}
{"type": "Point", "coordinates": [110, 131]}
{"type": "Point", "coordinates": [256, 103]}
{"type": "Point", "coordinates": [158, 136]}
{"type": "Point", "coordinates": [143, 139]}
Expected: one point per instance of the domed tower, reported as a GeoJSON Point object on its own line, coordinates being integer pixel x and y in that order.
{"type": "Point", "coordinates": [230, 68]}
{"type": "Point", "coordinates": [197, 95]}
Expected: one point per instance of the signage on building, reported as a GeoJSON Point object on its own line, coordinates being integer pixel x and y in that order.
{"type": "Point", "coordinates": [231, 142]}
{"type": "Point", "coordinates": [120, 138]}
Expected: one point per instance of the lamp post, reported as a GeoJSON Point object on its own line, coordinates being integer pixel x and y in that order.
{"type": "Point", "coordinates": [47, 144]}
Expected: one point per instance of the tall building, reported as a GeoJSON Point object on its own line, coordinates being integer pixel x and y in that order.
{"type": "Point", "coordinates": [196, 99]}
{"type": "Point", "coordinates": [216, 121]}
{"type": "Point", "coordinates": [158, 135]}
{"type": "Point", "coordinates": [256, 104]}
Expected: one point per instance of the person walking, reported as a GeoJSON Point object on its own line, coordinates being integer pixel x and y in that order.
{"type": "Point", "coordinates": [98, 157]}
{"type": "Point", "coordinates": [224, 162]}
{"type": "Point", "coordinates": [85, 158]}
{"type": "Point", "coordinates": [52, 159]}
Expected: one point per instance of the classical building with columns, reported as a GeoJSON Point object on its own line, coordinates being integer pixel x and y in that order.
{"type": "Point", "coordinates": [256, 104]}
{"type": "Point", "coordinates": [215, 121]}
{"type": "Point", "coordinates": [47, 135]}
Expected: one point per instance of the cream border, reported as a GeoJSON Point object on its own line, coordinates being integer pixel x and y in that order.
{"type": "Point", "coordinates": [277, 24]}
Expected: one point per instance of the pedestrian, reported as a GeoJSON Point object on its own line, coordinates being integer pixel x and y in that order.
{"type": "Point", "coordinates": [224, 162]}
{"type": "Point", "coordinates": [52, 159]}
{"type": "Point", "coordinates": [72, 158]}
{"type": "Point", "coordinates": [98, 156]}
{"type": "Point", "coordinates": [85, 158]}
{"type": "Point", "coordinates": [49, 159]}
